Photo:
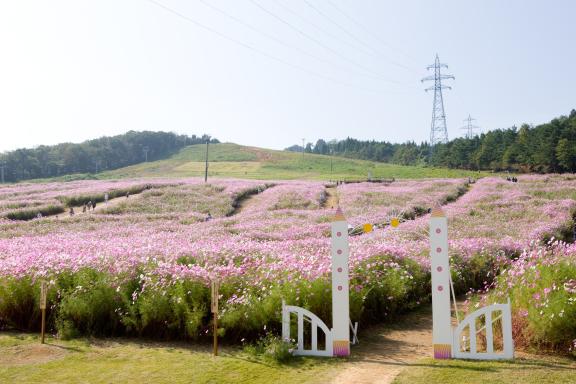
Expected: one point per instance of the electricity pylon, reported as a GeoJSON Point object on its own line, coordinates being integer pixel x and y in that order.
{"type": "Point", "coordinates": [469, 127]}
{"type": "Point", "coordinates": [438, 132]}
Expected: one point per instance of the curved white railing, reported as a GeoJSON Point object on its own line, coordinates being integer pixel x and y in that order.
{"type": "Point", "coordinates": [316, 323]}
{"type": "Point", "coordinates": [470, 321]}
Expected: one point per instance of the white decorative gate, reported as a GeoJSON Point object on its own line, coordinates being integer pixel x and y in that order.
{"type": "Point", "coordinates": [462, 341]}
{"type": "Point", "coordinates": [337, 339]}
{"type": "Point", "coordinates": [466, 347]}
{"type": "Point", "coordinates": [316, 323]}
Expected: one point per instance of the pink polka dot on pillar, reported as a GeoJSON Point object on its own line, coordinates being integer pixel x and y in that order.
{"type": "Point", "coordinates": [440, 288]}
{"type": "Point", "coordinates": [339, 251]}
{"type": "Point", "coordinates": [339, 269]}
{"type": "Point", "coordinates": [339, 287]}
{"type": "Point", "coordinates": [438, 249]}
{"type": "Point", "coordinates": [438, 230]}
{"type": "Point", "coordinates": [439, 269]}
{"type": "Point", "coordinates": [338, 234]}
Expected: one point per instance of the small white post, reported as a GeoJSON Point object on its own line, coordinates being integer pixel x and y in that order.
{"type": "Point", "coordinates": [441, 319]}
{"type": "Point", "coordinates": [340, 286]}
{"type": "Point", "coordinates": [285, 322]}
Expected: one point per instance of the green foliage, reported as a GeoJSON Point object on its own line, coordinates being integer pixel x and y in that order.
{"type": "Point", "coordinates": [89, 305]}
{"type": "Point", "coordinates": [177, 311]}
{"type": "Point", "coordinates": [272, 348]}
{"type": "Point", "coordinates": [78, 200]}
{"type": "Point", "coordinates": [242, 195]}
{"type": "Point", "coordinates": [88, 302]}
{"type": "Point", "coordinates": [548, 147]}
{"type": "Point", "coordinates": [19, 304]}
{"type": "Point", "coordinates": [543, 299]}
{"type": "Point", "coordinates": [387, 288]}
{"type": "Point", "coordinates": [95, 155]}
{"type": "Point", "coordinates": [232, 160]}
{"type": "Point", "coordinates": [566, 153]}
{"type": "Point", "coordinates": [32, 213]}
{"type": "Point", "coordinates": [472, 272]}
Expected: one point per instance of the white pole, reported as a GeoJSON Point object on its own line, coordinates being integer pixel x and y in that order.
{"type": "Point", "coordinates": [441, 319]}
{"type": "Point", "coordinates": [340, 286]}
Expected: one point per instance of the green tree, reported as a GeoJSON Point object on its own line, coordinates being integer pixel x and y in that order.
{"type": "Point", "coordinates": [566, 154]}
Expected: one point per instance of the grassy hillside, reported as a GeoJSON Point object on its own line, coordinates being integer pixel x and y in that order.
{"type": "Point", "coordinates": [232, 160]}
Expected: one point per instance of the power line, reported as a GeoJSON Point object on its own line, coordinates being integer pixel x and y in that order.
{"type": "Point", "coordinates": [333, 36]}
{"type": "Point", "coordinates": [323, 14]}
{"type": "Point", "coordinates": [318, 42]}
{"type": "Point", "coordinates": [256, 50]}
{"type": "Point", "coordinates": [370, 32]}
{"type": "Point", "coordinates": [371, 52]}
{"type": "Point", "coordinates": [274, 38]}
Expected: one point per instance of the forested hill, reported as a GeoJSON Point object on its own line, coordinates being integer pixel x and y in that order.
{"type": "Point", "coordinates": [94, 155]}
{"type": "Point", "coordinates": [549, 147]}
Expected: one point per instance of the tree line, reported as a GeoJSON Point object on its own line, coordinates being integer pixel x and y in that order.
{"type": "Point", "coordinates": [549, 147]}
{"type": "Point", "coordinates": [93, 156]}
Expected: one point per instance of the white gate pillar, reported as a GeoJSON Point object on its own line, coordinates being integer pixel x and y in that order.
{"type": "Point", "coordinates": [340, 286]}
{"type": "Point", "coordinates": [441, 319]}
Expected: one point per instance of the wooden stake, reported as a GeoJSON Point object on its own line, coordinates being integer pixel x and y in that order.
{"type": "Point", "coordinates": [215, 286]}
{"type": "Point", "coordinates": [215, 334]}
{"type": "Point", "coordinates": [43, 323]}
{"type": "Point", "coordinates": [43, 292]}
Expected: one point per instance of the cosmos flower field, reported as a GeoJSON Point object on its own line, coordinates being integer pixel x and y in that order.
{"type": "Point", "coordinates": [142, 266]}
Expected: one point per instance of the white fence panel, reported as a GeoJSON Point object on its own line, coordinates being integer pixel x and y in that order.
{"type": "Point", "coordinates": [470, 321]}
{"type": "Point", "coordinates": [316, 323]}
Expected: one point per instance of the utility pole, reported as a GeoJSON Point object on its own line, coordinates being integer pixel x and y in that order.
{"type": "Point", "coordinates": [331, 162]}
{"type": "Point", "coordinates": [438, 131]}
{"type": "Point", "coordinates": [145, 150]}
{"type": "Point", "coordinates": [206, 169]}
{"type": "Point", "coordinates": [2, 168]}
{"type": "Point", "coordinates": [469, 127]}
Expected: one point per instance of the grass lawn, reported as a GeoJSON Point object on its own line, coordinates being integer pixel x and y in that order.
{"type": "Point", "coordinates": [232, 160]}
{"type": "Point", "coordinates": [523, 370]}
{"type": "Point", "coordinates": [24, 360]}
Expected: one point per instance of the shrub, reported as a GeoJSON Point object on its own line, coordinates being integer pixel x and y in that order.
{"type": "Point", "coordinates": [89, 305]}
{"type": "Point", "coordinates": [272, 348]}
{"type": "Point", "coordinates": [19, 304]}
{"type": "Point", "coordinates": [177, 311]}
{"type": "Point", "coordinates": [79, 200]}
{"type": "Point", "coordinates": [32, 213]}
{"type": "Point", "coordinates": [542, 287]}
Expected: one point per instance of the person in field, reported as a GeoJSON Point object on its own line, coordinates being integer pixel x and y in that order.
{"type": "Point", "coordinates": [127, 194]}
{"type": "Point", "coordinates": [84, 208]}
{"type": "Point", "coordinates": [39, 215]}
{"type": "Point", "coordinates": [71, 211]}
{"type": "Point", "coordinates": [94, 205]}
{"type": "Point", "coordinates": [89, 204]}
{"type": "Point", "coordinates": [106, 198]}
{"type": "Point", "coordinates": [209, 217]}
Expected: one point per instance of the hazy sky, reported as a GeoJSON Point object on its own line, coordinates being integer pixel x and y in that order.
{"type": "Point", "coordinates": [270, 72]}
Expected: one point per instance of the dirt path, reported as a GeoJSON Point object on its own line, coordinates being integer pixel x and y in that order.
{"type": "Point", "coordinates": [249, 202]}
{"type": "Point", "coordinates": [99, 207]}
{"type": "Point", "coordinates": [389, 349]}
{"type": "Point", "coordinates": [331, 197]}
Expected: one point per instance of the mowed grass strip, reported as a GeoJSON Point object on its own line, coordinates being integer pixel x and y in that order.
{"type": "Point", "coordinates": [24, 360]}
{"type": "Point", "coordinates": [522, 370]}
{"type": "Point", "coordinates": [232, 160]}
